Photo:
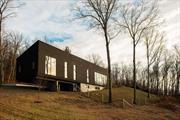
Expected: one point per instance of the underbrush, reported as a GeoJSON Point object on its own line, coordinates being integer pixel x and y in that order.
{"type": "Point", "coordinates": [169, 103]}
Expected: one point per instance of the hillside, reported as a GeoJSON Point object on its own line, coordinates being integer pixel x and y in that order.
{"type": "Point", "coordinates": [23, 104]}
{"type": "Point", "coordinates": [126, 93]}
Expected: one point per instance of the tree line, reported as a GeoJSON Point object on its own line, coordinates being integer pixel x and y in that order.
{"type": "Point", "coordinates": [140, 20]}
{"type": "Point", "coordinates": [12, 43]}
{"type": "Point", "coordinates": [161, 78]}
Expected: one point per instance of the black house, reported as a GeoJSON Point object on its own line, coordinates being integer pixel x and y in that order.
{"type": "Point", "coordinates": [56, 69]}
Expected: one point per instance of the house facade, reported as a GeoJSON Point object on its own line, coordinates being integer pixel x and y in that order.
{"type": "Point", "coordinates": [56, 69]}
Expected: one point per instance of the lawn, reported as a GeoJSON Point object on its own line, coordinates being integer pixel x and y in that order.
{"type": "Point", "coordinates": [21, 104]}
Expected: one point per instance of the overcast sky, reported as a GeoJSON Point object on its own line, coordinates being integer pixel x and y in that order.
{"type": "Point", "coordinates": [54, 19]}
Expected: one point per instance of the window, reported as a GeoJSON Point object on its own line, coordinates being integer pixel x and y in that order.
{"type": "Point", "coordinates": [65, 70]}
{"type": "Point", "coordinates": [100, 78]}
{"type": "Point", "coordinates": [74, 72]}
{"type": "Point", "coordinates": [50, 65]}
{"type": "Point", "coordinates": [97, 88]}
{"type": "Point", "coordinates": [87, 72]}
{"type": "Point", "coordinates": [19, 68]}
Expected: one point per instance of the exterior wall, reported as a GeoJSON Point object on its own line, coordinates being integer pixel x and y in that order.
{"type": "Point", "coordinates": [32, 63]}
{"type": "Point", "coordinates": [88, 88]}
{"type": "Point", "coordinates": [61, 57]}
{"type": "Point", "coordinates": [26, 65]}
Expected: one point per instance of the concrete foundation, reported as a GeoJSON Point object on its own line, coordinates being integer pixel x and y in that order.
{"type": "Point", "coordinates": [88, 88]}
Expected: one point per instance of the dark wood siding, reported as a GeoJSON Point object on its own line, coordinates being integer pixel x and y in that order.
{"type": "Point", "coordinates": [37, 53]}
{"type": "Point", "coordinates": [62, 56]}
{"type": "Point", "coordinates": [25, 63]}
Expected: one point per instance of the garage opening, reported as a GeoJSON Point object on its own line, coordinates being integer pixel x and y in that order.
{"type": "Point", "coordinates": [62, 86]}
{"type": "Point", "coordinates": [66, 87]}
{"type": "Point", "coordinates": [69, 87]}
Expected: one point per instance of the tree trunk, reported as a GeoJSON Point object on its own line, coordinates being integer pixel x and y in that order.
{"type": "Point", "coordinates": [109, 67]}
{"type": "Point", "coordinates": [13, 64]}
{"type": "Point", "coordinates": [2, 68]}
{"type": "Point", "coordinates": [177, 85]}
{"type": "Point", "coordinates": [14, 69]}
{"type": "Point", "coordinates": [134, 70]}
{"type": "Point", "coordinates": [157, 77]}
{"type": "Point", "coordinates": [165, 84]}
{"type": "Point", "coordinates": [11, 70]}
{"type": "Point", "coordinates": [148, 69]}
{"type": "Point", "coordinates": [1, 57]}
{"type": "Point", "coordinates": [148, 81]}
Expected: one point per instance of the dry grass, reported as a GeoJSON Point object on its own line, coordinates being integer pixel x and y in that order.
{"type": "Point", "coordinates": [124, 93]}
{"type": "Point", "coordinates": [20, 104]}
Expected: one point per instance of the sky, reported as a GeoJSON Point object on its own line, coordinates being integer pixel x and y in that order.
{"type": "Point", "coordinates": [54, 19]}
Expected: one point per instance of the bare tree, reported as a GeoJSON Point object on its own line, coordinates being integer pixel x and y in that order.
{"type": "Point", "coordinates": [177, 49]}
{"type": "Point", "coordinates": [99, 14]}
{"type": "Point", "coordinates": [122, 74]}
{"type": "Point", "coordinates": [154, 44]}
{"type": "Point", "coordinates": [126, 74]}
{"type": "Point", "coordinates": [6, 11]}
{"type": "Point", "coordinates": [25, 44]}
{"type": "Point", "coordinates": [136, 18]}
{"type": "Point", "coordinates": [143, 74]}
{"type": "Point", "coordinates": [177, 69]}
{"type": "Point", "coordinates": [156, 69]}
{"type": "Point", "coordinates": [96, 59]}
{"type": "Point", "coordinates": [16, 40]}
{"type": "Point", "coordinates": [165, 71]}
{"type": "Point", "coordinates": [4, 48]}
{"type": "Point", "coordinates": [172, 78]}
{"type": "Point", "coordinates": [115, 74]}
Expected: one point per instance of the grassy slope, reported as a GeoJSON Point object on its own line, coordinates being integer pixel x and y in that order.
{"type": "Point", "coordinates": [123, 93]}
{"type": "Point", "coordinates": [19, 104]}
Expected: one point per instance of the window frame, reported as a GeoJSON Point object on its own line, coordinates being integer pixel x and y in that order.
{"type": "Point", "coordinates": [100, 79]}
{"type": "Point", "coordinates": [87, 75]}
{"type": "Point", "coordinates": [65, 69]}
{"type": "Point", "coordinates": [74, 72]}
{"type": "Point", "coordinates": [50, 65]}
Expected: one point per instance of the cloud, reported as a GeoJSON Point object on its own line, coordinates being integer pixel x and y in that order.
{"type": "Point", "coordinates": [54, 19]}
{"type": "Point", "coordinates": [58, 38]}
{"type": "Point", "coordinates": [170, 11]}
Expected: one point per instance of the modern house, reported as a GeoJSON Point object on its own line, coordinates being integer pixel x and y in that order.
{"type": "Point", "coordinates": [56, 69]}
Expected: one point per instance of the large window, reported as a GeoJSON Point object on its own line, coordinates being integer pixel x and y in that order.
{"type": "Point", "coordinates": [65, 70]}
{"type": "Point", "coordinates": [100, 78]}
{"type": "Point", "coordinates": [87, 72]}
{"type": "Point", "coordinates": [50, 65]}
{"type": "Point", "coordinates": [74, 72]}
